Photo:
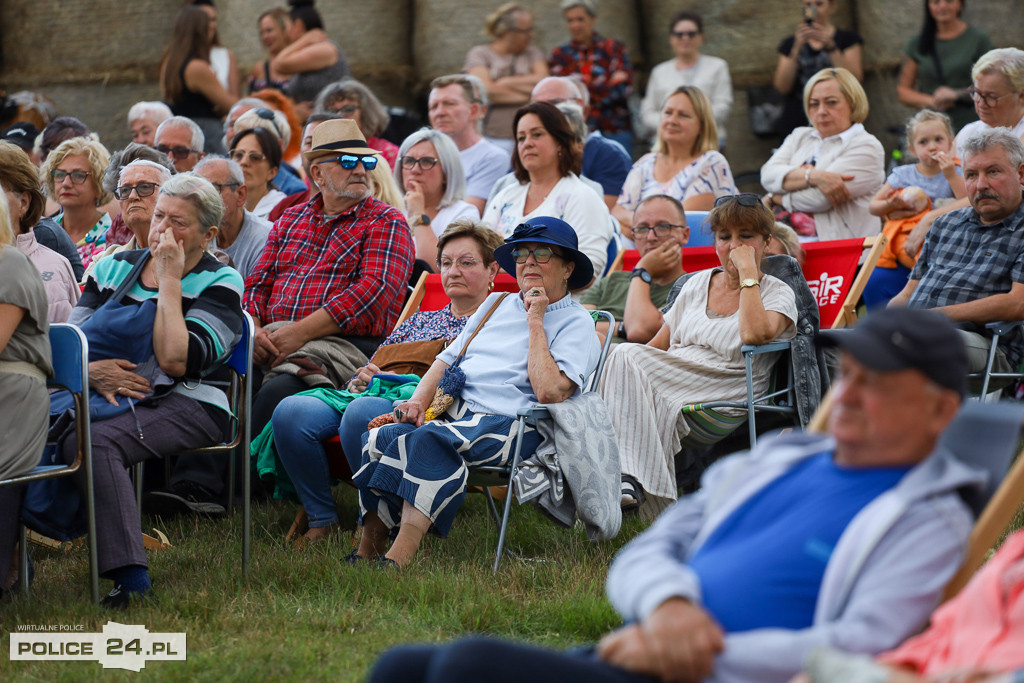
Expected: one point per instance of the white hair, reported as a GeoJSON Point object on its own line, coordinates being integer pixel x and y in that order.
{"type": "Point", "coordinates": [164, 174]}
{"type": "Point", "coordinates": [157, 112]}
{"type": "Point", "coordinates": [198, 139]}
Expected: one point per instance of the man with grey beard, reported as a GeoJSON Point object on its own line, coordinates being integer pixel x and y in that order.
{"type": "Point", "coordinates": [333, 267]}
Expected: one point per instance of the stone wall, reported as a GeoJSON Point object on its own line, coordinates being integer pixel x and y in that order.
{"type": "Point", "coordinates": [95, 58]}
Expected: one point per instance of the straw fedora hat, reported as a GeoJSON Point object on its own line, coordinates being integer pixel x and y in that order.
{"type": "Point", "coordinates": [335, 137]}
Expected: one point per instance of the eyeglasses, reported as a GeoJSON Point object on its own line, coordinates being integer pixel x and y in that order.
{"type": "Point", "coordinates": [180, 153]}
{"type": "Point", "coordinates": [220, 186]}
{"type": "Point", "coordinates": [540, 254]}
{"type": "Point", "coordinates": [989, 100]}
{"type": "Point", "coordinates": [426, 163]}
{"type": "Point", "coordinates": [464, 263]}
{"type": "Point", "coordinates": [349, 161]}
{"type": "Point", "coordinates": [685, 34]}
{"type": "Point", "coordinates": [661, 230]}
{"type": "Point", "coordinates": [268, 115]}
{"type": "Point", "coordinates": [77, 177]}
{"type": "Point", "coordinates": [241, 155]}
{"type": "Point", "coordinates": [743, 199]}
{"type": "Point", "coordinates": [516, 29]}
{"type": "Point", "coordinates": [347, 111]}
{"type": "Point", "coordinates": [141, 189]}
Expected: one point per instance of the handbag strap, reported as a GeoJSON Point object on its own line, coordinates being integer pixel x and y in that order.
{"type": "Point", "coordinates": [133, 276]}
{"type": "Point", "coordinates": [490, 311]}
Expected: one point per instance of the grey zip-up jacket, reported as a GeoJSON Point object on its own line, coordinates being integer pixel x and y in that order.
{"type": "Point", "coordinates": [881, 583]}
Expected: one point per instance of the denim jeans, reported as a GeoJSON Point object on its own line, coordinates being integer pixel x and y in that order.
{"type": "Point", "coordinates": [300, 424]}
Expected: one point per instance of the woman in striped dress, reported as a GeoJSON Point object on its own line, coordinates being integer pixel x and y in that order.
{"type": "Point", "coordinates": [696, 356]}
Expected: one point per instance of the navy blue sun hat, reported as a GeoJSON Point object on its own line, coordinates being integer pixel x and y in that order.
{"type": "Point", "coordinates": [548, 230]}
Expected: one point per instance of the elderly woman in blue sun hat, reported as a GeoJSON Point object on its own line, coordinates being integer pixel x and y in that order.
{"type": "Point", "coordinates": [517, 350]}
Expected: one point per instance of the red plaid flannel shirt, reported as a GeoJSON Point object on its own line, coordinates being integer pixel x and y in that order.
{"type": "Point", "coordinates": [355, 265]}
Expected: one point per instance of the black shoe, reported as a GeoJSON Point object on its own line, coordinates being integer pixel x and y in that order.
{"type": "Point", "coordinates": [387, 564]}
{"type": "Point", "coordinates": [183, 497]}
{"type": "Point", "coordinates": [632, 494]}
{"type": "Point", "coordinates": [120, 599]}
{"type": "Point", "coordinates": [353, 558]}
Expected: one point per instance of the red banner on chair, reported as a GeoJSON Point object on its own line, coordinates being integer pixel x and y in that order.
{"type": "Point", "coordinates": [829, 269]}
{"type": "Point", "coordinates": [434, 298]}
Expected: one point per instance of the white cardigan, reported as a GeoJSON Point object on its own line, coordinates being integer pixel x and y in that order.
{"type": "Point", "coordinates": [853, 152]}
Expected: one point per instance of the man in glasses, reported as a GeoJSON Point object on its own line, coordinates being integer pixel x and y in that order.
{"type": "Point", "coordinates": [182, 140]}
{"type": "Point", "coordinates": [242, 233]}
{"type": "Point", "coordinates": [635, 298]}
{"type": "Point", "coordinates": [457, 106]}
{"type": "Point", "coordinates": [331, 279]}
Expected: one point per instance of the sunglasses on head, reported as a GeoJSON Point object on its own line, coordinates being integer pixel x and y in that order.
{"type": "Point", "coordinates": [349, 161]}
{"type": "Point", "coordinates": [743, 199]}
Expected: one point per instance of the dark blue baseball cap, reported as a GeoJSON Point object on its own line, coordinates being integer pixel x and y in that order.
{"type": "Point", "coordinates": [548, 230]}
{"type": "Point", "coordinates": [895, 339]}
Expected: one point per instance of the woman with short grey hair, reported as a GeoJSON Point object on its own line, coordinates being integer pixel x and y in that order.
{"type": "Point", "coordinates": [350, 99]}
{"type": "Point", "coordinates": [174, 324]}
{"type": "Point", "coordinates": [431, 175]}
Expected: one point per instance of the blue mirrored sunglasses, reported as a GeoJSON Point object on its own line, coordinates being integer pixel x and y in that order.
{"type": "Point", "coordinates": [349, 161]}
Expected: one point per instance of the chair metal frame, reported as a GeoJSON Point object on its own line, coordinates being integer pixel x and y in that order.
{"type": "Point", "coordinates": [769, 402]}
{"type": "Point", "coordinates": [240, 402]}
{"type": "Point", "coordinates": [998, 330]}
{"type": "Point", "coordinates": [70, 351]}
{"type": "Point", "coordinates": [501, 475]}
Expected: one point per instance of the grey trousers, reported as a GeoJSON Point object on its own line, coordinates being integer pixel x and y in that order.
{"type": "Point", "coordinates": [175, 424]}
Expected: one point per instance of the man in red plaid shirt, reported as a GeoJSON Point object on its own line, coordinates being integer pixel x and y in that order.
{"type": "Point", "coordinates": [334, 270]}
{"type": "Point", "coordinates": [337, 265]}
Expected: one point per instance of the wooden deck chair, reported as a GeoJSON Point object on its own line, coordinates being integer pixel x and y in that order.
{"type": "Point", "coordinates": [987, 434]}
{"type": "Point", "coordinates": [831, 272]}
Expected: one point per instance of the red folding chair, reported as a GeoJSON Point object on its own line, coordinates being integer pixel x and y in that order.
{"type": "Point", "coordinates": [694, 258]}
{"type": "Point", "coordinates": [829, 269]}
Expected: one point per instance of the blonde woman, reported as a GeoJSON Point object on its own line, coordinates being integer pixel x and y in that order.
{"type": "Point", "coordinates": [508, 67]}
{"type": "Point", "coordinates": [684, 162]}
{"type": "Point", "coordinates": [73, 178]}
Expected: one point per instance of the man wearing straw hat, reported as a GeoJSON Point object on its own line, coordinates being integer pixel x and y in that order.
{"type": "Point", "coordinates": [327, 289]}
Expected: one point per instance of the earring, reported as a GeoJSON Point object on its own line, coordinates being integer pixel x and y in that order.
{"type": "Point", "coordinates": [490, 286]}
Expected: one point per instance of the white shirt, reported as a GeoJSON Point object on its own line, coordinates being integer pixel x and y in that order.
{"type": "Point", "coordinates": [710, 74]}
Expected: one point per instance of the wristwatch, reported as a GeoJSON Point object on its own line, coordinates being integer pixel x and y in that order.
{"type": "Point", "coordinates": [424, 219]}
{"type": "Point", "coordinates": [749, 282]}
{"type": "Point", "coordinates": [642, 274]}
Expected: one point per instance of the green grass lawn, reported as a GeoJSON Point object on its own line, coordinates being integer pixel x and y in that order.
{"type": "Point", "coordinates": [306, 616]}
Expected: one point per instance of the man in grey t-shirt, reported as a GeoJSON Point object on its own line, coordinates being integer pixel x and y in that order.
{"type": "Point", "coordinates": [242, 234]}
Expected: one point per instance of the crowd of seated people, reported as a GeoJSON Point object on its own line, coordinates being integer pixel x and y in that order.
{"type": "Point", "coordinates": [155, 250]}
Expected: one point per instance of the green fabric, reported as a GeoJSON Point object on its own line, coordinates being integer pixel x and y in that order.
{"type": "Point", "coordinates": [265, 461]}
{"type": "Point", "coordinates": [609, 294]}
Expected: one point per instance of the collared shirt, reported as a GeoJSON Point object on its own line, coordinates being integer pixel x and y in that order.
{"type": "Point", "coordinates": [355, 265]}
{"type": "Point", "coordinates": [841, 138]}
{"type": "Point", "coordinates": [596, 63]}
{"type": "Point", "coordinates": [964, 260]}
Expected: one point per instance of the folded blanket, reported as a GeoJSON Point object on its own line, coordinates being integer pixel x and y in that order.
{"type": "Point", "coordinates": [325, 362]}
{"type": "Point", "coordinates": [578, 456]}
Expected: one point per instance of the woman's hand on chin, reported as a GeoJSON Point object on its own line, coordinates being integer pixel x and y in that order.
{"type": "Point", "coordinates": [168, 256]}
{"type": "Point", "coordinates": [536, 301]}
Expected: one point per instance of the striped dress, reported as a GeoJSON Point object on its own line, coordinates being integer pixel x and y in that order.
{"type": "Point", "coordinates": [645, 387]}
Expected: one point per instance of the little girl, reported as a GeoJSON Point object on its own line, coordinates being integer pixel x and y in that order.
{"type": "Point", "coordinates": [908, 193]}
